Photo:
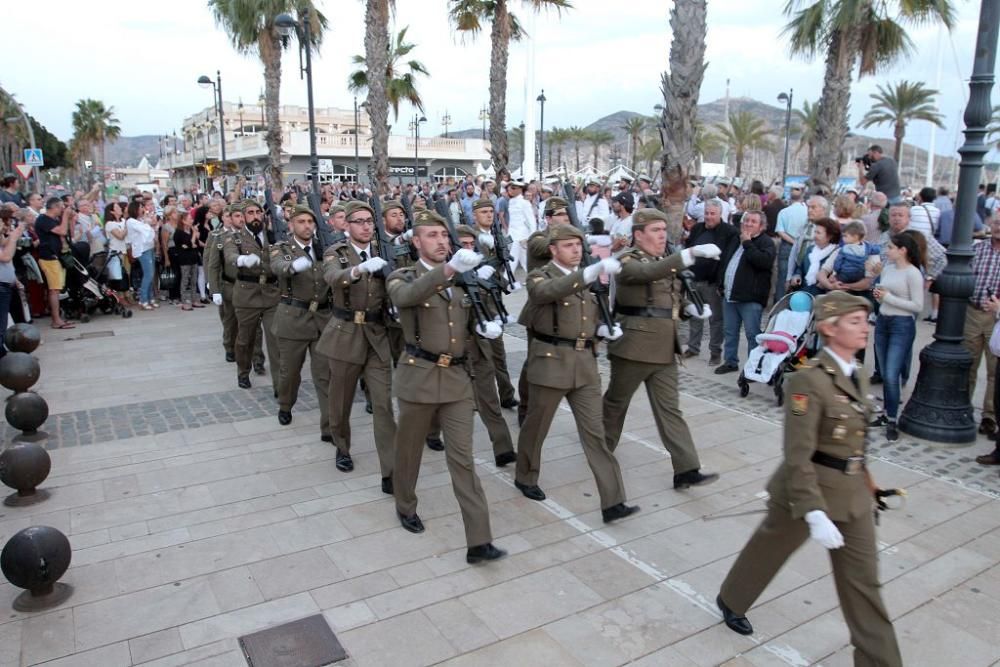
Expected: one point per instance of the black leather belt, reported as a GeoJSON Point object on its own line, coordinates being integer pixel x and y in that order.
{"type": "Point", "coordinates": [848, 466]}
{"type": "Point", "coordinates": [262, 279]}
{"type": "Point", "coordinates": [306, 305]}
{"type": "Point", "coordinates": [645, 311]}
{"type": "Point", "coordinates": [442, 360]}
{"type": "Point", "coordinates": [227, 279]}
{"type": "Point", "coordinates": [357, 316]}
{"type": "Point", "coordinates": [575, 343]}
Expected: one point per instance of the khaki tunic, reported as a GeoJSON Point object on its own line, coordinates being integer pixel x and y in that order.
{"type": "Point", "coordinates": [439, 323]}
{"type": "Point", "coordinates": [646, 353]}
{"type": "Point", "coordinates": [824, 412]}
{"type": "Point", "coordinates": [220, 280]}
{"type": "Point", "coordinates": [538, 256]}
{"type": "Point", "coordinates": [498, 351]}
{"type": "Point", "coordinates": [562, 306]}
{"type": "Point", "coordinates": [255, 300]}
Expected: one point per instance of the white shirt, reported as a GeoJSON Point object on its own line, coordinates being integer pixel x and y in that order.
{"type": "Point", "coordinates": [431, 268]}
{"type": "Point", "coordinates": [622, 227]}
{"type": "Point", "coordinates": [521, 218]}
{"type": "Point", "coordinates": [924, 218]}
{"type": "Point", "coordinates": [116, 244]}
{"type": "Point", "coordinates": [563, 268]}
{"type": "Point", "coordinates": [140, 236]}
{"type": "Point", "coordinates": [846, 367]}
{"type": "Point", "coordinates": [588, 209]}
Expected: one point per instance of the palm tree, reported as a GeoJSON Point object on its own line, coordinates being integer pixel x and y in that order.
{"type": "Point", "coordinates": [745, 130]}
{"type": "Point", "coordinates": [680, 88]}
{"type": "Point", "coordinates": [577, 135]}
{"type": "Point", "coordinates": [93, 125]}
{"type": "Point", "coordinates": [598, 138]}
{"type": "Point", "coordinates": [704, 142]}
{"type": "Point", "coordinates": [649, 152]}
{"type": "Point", "coordinates": [251, 29]}
{"type": "Point", "coordinates": [897, 105]}
{"type": "Point", "coordinates": [634, 127]}
{"type": "Point", "coordinates": [399, 86]}
{"type": "Point", "coordinates": [808, 121]}
{"type": "Point", "coordinates": [13, 135]}
{"type": "Point", "coordinates": [468, 17]}
{"type": "Point", "coordinates": [377, 60]}
{"type": "Point", "coordinates": [869, 34]}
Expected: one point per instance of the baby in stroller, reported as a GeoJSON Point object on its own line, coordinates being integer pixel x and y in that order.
{"type": "Point", "coordinates": [786, 339]}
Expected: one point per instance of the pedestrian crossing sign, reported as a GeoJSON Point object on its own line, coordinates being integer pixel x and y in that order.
{"type": "Point", "coordinates": [33, 157]}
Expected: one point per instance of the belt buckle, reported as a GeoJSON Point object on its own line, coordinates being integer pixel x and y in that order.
{"type": "Point", "coordinates": [359, 317]}
{"type": "Point", "coordinates": [444, 360]}
{"type": "Point", "coordinates": [855, 464]}
{"type": "Point", "coordinates": [313, 306]}
{"type": "Point", "coordinates": [581, 344]}
{"type": "Point", "coordinates": [262, 279]}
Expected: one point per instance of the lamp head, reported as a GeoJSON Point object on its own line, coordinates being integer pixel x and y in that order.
{"type": "Point", "coordinates": [423, 119]}
{"type": "Point", "coordinates": [541, 98]}
{"type": "Point", "coordinates": [205, 82]}
{"type": "Point", "coordinates": [285, 24]}
{"type": "Point", "coordinates": [783, 98]}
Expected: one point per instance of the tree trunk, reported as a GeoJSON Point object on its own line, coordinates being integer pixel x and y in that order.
{"type": "Point", "coordinates": [558, 157]}
{"type": "Point", "coordinates": [740, 154]}
{"type": "Point", "coordinates": [500, 42]}
{"type": "Point", "coordinates": [597, 150]}
{"type": "Point", "coordinates": [377, 62]}
{"type": "Point", "coordinates": [635, 150]}
{"type": "Point", "coordinates": [681, 87]}
{"type": "Point", "coordinates": [578, 157]}
{"type": "Point", "coordinates": [899, 132]}
{"type": "Point", "coordinates": [270, 55]}
{"type": "Point", "coordinates": [832, 127]}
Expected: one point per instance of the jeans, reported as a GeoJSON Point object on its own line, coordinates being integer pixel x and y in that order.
{"type": "Point", "coordinates": [6, 289]}
{"type": "Point", "coordinates": [747, 313]}
{"type": "Point", "coordinates": [784, 250]}
{"type": "Point", "coordinates": [894, 336]}
{"type": "Point", "coordinates": [146, 261]}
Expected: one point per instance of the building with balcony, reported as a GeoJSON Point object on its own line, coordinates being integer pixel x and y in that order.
{"type": "Point", "coordinates": [338, 139]}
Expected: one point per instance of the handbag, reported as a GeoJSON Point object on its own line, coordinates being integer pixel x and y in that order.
{"type": "Point", "coordinates": [995, 339]}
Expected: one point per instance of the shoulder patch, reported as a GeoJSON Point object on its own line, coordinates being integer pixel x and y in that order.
{"type": "Point", "coordinates": [799, 404]}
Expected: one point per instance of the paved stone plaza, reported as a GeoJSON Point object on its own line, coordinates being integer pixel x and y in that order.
{"type": "Point", "coordinates": [195, 519]}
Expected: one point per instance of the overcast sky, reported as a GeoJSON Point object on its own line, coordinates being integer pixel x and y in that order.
{"type": "Point", "coordinates": [143, 58]}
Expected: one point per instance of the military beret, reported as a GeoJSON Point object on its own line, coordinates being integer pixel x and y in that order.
{"type": "Point", "coordinates": [353, 206]}
{"type": "Point", "coordinates": [839, 302]}
{"type": "Point", "coordinates": [553, 204]}
{"type": "Point", "coordinates": [390, 204]}
{"type": "Point", "coordinates": [337, 208]}
{"type": "Point", "coordinates": [485, 202]}
{"type": "Point", "coordinates": [234, 208]}
{"type": "Point", "coordinates": [465, 230]}
{"type": "Point", "coordinates": [564, 233]}
{"type": "Point", "coordinates": [428, 218]}
{"type": "Point", "coordinates": [647, 216]}
{"type": "Point", "coordinates": [249, 203]}
{"type": "Point", "coordinates": [299, 209]}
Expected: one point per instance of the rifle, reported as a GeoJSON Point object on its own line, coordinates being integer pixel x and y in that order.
{"type": "Point", "coordinates": [279, 225]}
{"type": "Point", "coordinates": [469, 280]}
{"type": "Point", "coordinates": [687, 280]}
{"type": "Point", "coordinates": [599, 289]}
{"type": "Point", "coordinates": [502, 250]}
{"type": "Point", "coordinates": [385, 249]}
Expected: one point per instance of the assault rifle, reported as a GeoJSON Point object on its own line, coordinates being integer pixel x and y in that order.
{"type": "Point", "coordinates": [382, 241]}
{"type": "Point", "coordinates": [469, 280]}
{"type": "Point", "coordinates": [599, 289]}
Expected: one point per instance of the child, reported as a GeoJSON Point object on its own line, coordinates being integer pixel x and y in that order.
{"type": "Point", "coordinates": [854, 252]}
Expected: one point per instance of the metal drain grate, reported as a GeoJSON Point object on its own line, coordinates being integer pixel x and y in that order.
{"type": "Point", "coordinates": [307, 642]}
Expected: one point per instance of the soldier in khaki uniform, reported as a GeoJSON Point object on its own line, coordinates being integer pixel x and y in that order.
{"type": "Point", "coordinates": [303, 312]}
{"type": "Point", "coordinates": [432, 378]}
{"type": "Point", "coordinates": [355, 339]}
{"type": "Point", "coordinates": [563, 353]}
{"type": "Point", "coordinates": [649, 301]}
{"type": "Point", "coordinates": [220, 278]}
{"type": "Point", "coordinates": [822, 488]}
{"type": "Point", "coordinates": [255, 292]}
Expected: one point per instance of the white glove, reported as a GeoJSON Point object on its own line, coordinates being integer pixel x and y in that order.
{"type": "Point", "coordinates": [407, 235]}
{"type": "Point", "coordinates": [247, 261]}
{"type": "Point", "coordinates": [485, 272]}
{"type": "Point", "coordinates": [602, 240]}
{"type": "Point", "coordinates": [487, 240]}
{"type": "Point", "coordinates": [490, 331]}
{"type": "Point", "coordinates": [610, 266]}
{"type": "Point", "coordinates": [499, 319]}
{"type": "Point", "coordinates": [465, 260]}
{"type": "Point", "coordinates": [692, 310]}
{"type": "Point", "coordinates": [614, 334]}
{"type": "Point", "coordinates": [301, 264]}
{"type": "Point", "coordinates": [514, 286]}
{"type": "Point", "coordinates": [823, 531]}
{"type": "Point", "coordinates": [373, 265]}
{"type": "Point", "coordinates": [706, 250]}
{"type": "Point", "coordinates": [217, 299]}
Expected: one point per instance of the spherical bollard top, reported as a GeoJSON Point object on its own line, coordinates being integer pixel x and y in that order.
{"type": "Point", "coordinates": [23, 338]}
{"type": "Point", "coordinates": [19, 371]}
{"type": "Point", "coordinates": [35, 558]}
{"type": "Point", "coordinates": [23, 466]}
{"type": "Point", "coordinates": [26, 411]}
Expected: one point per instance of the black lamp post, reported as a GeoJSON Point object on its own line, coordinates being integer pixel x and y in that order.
{"type": "Point", "coordinates": [357, 158]}
{"type": "Point", "coordinates": [239, 107]}
{"type": "Point", "coordinates": [446, 121]}
{"type": "Point", "coordinates": [286, 25]}
{"type": "Point", "coordinates": [787, 99]}
{"type": "Point", "coordinates": [541, 132]}
{"type": "Point", "coordinates": [216, 85]}
{"type": "Point", "coordinates": [415, 126]}
{"type": "Point", "coordinates": [940, 408]}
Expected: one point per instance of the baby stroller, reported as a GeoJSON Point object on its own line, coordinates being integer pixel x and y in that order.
{"type": "Point", "coordinates": [789, 337]}
{"type": "Point", "coordinates": [88, 291]}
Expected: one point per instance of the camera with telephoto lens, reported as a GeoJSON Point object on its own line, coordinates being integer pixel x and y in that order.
{"type": "Point", "coordinates": [865, 160]}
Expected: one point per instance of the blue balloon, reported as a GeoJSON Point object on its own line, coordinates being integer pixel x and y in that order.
{"type": "Point", "coordinates": [800, 302]}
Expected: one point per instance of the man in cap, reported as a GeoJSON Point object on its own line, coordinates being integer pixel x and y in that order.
{"type": "Point", "coordinates": [822, 489]}
{"type": "Point", "coordinates": [221, 277]}
{"type": "Point", "coordinates": [649, 303]}
{"type": "Point", "coordinates": [544, 193]}
{"type": "Point", "coordinates": [432, 379]}
{"type": "Point", "coordinates": [565, 328]}
{"type": "Point", "coordinates": [355, 339]}
{"type": "Point", "coordinates": [521, 223]}
{"type": "Point", "coordinates": [302, 315]}
{"type": "Point", "coordinates": [594, 205]}
{"type": "Point", "coordinates": [254, 294]}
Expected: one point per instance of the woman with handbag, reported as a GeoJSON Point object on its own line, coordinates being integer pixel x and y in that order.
{"type": "Point", "coordinates": [142, 240]}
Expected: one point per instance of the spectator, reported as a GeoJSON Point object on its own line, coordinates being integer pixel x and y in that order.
{"type": "Point", "coordinates": [775, 205]}
{"type": "Point", "coordinates": [115, 230]}
{"type": "Point", "coordinates": [843, 209]}
{"type": "Point", "coordinates": [142, 239]}
{"type": "Point", "coordinates": [168, 252]}
{"type": "Point", "coordinates": [979, 321]}
{"type": "Point", "coordinates": [621, 226]}
{"type": "Point", "coordinates": [881, 170]}
{"type": "Point", "coordinates": [924, 215]}
{"type": "Point", "coordinates": [706, 277]}
{"type": "Point", "coordinates": [900, 292]}
{"type": "Point", "coordinates": [876, 220]}
{"type": "Point", "coordinates": [745, 276]}
{"type": "Point", "coordinates": [52, 227]}
{"type": "Point", "coordinates": [826, 237]}
{"type": "Point", "coordinates": [817, 208]}
{"type": "Point", "coordinates": [186, 253]}
{"type": "Point", "coordinates": [943, 200]}
{"type": "Point", "coordinates": [935, 259]}
{"type": "Point", "coordinates": [981, 202]}
{"type": "Point", "coordinates": [853, 254]}
{"type": "Point", "coordinates": [11, 232]}
{"type": "Point", "coordinates": [34, 202]}
{"type": "Point", "coordinates": [696, 205]}
{"type": "Point", "coordinates": [993, 458]}
{"type": "Point", "coordinates": [790, 222]}
{"type": "Point", "coordinates": [9, 191]}
{"type": "Point", "coordinates": [201, 221]}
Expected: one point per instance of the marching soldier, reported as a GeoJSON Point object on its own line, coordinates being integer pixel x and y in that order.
{"type": "Point", "coordinates": [255, 292]}
{"type": "Point", "coordinates": [822, 490]}
{"type": "Point", "coordinates": [303, 312]}
{"type": "Point", "coordinates": [355, 339]}
{"type": "Point", "coordinates": [563, 349]}
{"type": "Point", "coordinates": [432, 378]}
{"type": "Point", "coordinates": [649, 301]}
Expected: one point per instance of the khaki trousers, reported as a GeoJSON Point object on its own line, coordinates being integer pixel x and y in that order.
{"type": "Point", "coordinates": [248, 323]}
{"type": "Point", "coordinates": [227, 313]}
{"type": "Point", "coordinates": [377, 376]}
{"type": "Point", "coordinates": [978, 329]}
{"type": "Point", "coordinates": [456, 422]}
{"type": "Point", "coordinates": [502, 375]}
{"type": "Point", "coordinates": [292, 355]}
{"type": "Point", "coordinates": [484, 387]}
{"type": "Point", "coordinates": [664, 399]}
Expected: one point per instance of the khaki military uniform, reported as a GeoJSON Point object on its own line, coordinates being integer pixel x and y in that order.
{"type": "Point", "coordinates": [563, 364]}
{"type": "Point", "coordinates": [538, 256]}
{"type": "Point", "coordinates": [255, 297]}
{"type": "Point", "coordinates": [436, 324]}
{"type": "Point", "coordinates": [302, 315]}
{"type": "Point", "coordinates": [221, 278]}
{"type": "Point", "coordinates": [649, 302]}
{"type": "Point", "coordinates": [826, 414]}
{"type": "Point", "coordinates": [498, 351]}
{"type": "Point", "coordinates": [356, 343]}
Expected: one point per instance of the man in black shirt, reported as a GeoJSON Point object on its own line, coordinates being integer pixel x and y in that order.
{"type": "Point", "coordinates": [52, 227]}
{"type": "Point", "coordinates": [712, 230]}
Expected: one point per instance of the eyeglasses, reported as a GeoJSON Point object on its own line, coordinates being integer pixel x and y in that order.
{"type": "Point", "coordinates": [362, 221]}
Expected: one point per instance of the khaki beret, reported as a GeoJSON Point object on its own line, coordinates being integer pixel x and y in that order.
{"type": "Point", "coordinates": [337, 208]}
{"type": "Point", "coordinates": [299, 209]}
{"type": "Point", "coordinates": [553, 204]}
{"type": "Point", "coordinates": [839, 302]}
{"type": "Point", "coordinates": [235, 208]}
{"type": "Point", "coordinates": [390, 204]}
{"type": "Point", "coordinates": [353, 206]}
{"type": "Point", "coordinates": [564, 233]}
{"type": "Point", "coordinates": [647, 216]}
{"type": "Point", "coordinates": [251, 203]}
{"type": "Point", "coordinates": [485, 202]}
{"type": "Point", "coordinates": [465, 230]}
{"type": "Point", "coordinates": [428, 218]}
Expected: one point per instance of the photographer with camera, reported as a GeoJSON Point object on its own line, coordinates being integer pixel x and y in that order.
{"type": "Point", "coordinates": [881, 170]}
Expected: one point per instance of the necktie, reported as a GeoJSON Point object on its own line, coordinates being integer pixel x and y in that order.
{"type": "Point", "coordinates": [309, 252]}
{"type": "Point", "coordinates": [364, 255]}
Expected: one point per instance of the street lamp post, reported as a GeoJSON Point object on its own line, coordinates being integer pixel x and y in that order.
{"type": "Point", "coordinates": [415, 126]}
{"type": "Point", "coordinates": [239, 107]}
{"type": "Point", "coordinates": [216, 85]}
{"type": "Point", "coordinates": [787, 99]}
{"type": "Point", "coordinates": [523, 143]}
{"type": "Point", "coordinates": [287, 25]}
{"type": "Point", "coordinates": [484, 115]}
{"type": "Point", "coordinates": [940, 408]}
{"type": "Point", "coordinates": [357, 130]}
{"type": "Point", "coordinates": [446, 121]}
{"type": "Point", "coordinates": [541, 132]}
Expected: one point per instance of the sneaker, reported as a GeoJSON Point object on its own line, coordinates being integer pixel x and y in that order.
{"type": "Point", "coordinates": [715, 360]}
{"type": "Point", "coordinates": [688, 353]}
{"type": "Point", "coordinates": [891, 432]}
{"type": "Point", "coordinates": [726, 368]}
{"type": "Point", "coordinates": [988, 426]}
{"type": "Point", "coordinates": [881, 420]}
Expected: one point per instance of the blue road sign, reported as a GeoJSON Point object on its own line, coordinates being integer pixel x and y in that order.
{"type": "Point", "coordinates": [33, 157]}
